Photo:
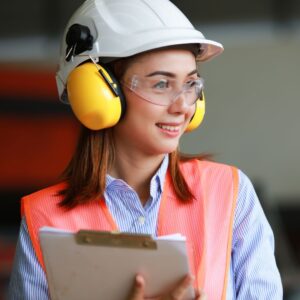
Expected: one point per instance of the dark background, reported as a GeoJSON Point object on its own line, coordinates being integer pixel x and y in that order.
{"type": "Point", "coordinates": [48, 17]}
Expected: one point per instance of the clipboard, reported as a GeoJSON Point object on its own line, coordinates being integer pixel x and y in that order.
{"type": "Point", "coordinates": [99, 265]}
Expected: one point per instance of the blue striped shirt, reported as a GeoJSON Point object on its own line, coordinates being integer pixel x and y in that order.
{"type": "Point", "coordinates": [253, 270]}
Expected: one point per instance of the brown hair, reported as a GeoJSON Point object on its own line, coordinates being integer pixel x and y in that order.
{"type": "Point", "coordinates": [94, 155]}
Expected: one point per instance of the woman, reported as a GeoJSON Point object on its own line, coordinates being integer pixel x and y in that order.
{"type": "Point", "coordinates": [129, 70]}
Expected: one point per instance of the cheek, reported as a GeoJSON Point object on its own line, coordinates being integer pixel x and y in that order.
{"type": "Point", "coordinates": [191, 112]}
{"type": "Point", "coordinates": [140, 109]}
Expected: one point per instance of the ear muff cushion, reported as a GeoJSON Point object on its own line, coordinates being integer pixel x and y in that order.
{"type": "Point", "coordinates": [93, 102]}
{"type": "Point", "coordinates": [198, 115]}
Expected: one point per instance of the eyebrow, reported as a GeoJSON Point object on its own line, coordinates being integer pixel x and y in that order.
{"type": "Point", "coordinates": [169, 74]}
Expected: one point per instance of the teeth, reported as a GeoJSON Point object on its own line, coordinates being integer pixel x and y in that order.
{"type": "Point", "coordinates": [167, 127]}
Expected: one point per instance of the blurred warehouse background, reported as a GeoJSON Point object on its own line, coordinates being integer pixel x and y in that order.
{"type": "Point", "coordinates": [252, 119]}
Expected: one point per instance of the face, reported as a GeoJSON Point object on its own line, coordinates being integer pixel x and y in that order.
{"type": "Point", "coordinates": [147, 127]}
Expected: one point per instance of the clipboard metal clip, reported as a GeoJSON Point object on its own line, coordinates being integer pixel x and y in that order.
{"type": "Point", "coordinates": [115, 239]}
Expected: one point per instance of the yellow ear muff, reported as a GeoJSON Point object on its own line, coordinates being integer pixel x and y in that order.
{"type": "Point", "coordinates": [198, 115]}
{"type": "Point", "coordinates": [94, 96]}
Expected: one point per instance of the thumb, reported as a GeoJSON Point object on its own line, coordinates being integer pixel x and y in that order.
{"type": "Point", "coordinates": [138, 289]}
{"type": "Point", "coordinates": [201, 295]}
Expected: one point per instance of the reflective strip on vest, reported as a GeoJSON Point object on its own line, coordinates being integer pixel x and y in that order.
{"type": "Point", "coordinates": [206, 221]}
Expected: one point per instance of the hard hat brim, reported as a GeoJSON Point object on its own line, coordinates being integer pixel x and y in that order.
{"type": "Point", "coordinates": [209, 48]}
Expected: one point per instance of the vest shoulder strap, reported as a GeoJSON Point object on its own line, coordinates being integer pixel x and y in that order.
{"type": "Point", "coordinates": [206, 221]}
{"type": "Point", "coordinates": [42, 209]}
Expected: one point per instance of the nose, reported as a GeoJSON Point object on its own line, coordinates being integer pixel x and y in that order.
{"type": "Point", "coordinates": [179, 105]}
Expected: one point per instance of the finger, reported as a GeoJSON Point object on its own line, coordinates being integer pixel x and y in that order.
{"type": "Point", "coordinates": [138, 289]}
{"type": "Point", "coordinates": [201, 296]}
{"type": "Point", "coordinates": [180, 290]}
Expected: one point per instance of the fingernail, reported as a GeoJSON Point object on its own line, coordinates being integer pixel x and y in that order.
{"type": "Point", "coordinates": [139, 279]}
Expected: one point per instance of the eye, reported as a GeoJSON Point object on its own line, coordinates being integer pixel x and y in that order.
{"type": "Point", "coordinates": [161, 84]}
{"type": "Point", "coordinates": [191, 84]}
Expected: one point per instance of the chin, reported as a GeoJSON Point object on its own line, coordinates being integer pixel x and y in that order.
{"type": "Point", "coordinates": [166, 149]}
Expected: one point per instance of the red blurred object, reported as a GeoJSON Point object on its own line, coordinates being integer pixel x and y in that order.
{"type": "Point", "coordinates": [36, 145]}
{"type": "Point", "coordinates": [35, 150]}
{"type": "Point", "coordinates": [21, 81]}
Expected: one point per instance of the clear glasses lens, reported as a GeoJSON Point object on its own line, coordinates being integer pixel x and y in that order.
{"type": "Point", "coordinates": [164, 91]}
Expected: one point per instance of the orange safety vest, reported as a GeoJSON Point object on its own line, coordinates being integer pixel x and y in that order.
{"type": "Point", "coordinates": [206, 221]}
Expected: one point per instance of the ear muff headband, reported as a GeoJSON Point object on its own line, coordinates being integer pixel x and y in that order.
{"type": "Point", "coordinates": [95, 96]}
{"type": "Point", "coordinates": [198, 115]}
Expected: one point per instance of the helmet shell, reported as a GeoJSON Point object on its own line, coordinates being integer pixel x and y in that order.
{"type": "Point", "coordinates": [122, 28]}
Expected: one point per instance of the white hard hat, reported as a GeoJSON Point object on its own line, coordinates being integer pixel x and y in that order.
{"type": "Point", "coordinates": [113, 29]}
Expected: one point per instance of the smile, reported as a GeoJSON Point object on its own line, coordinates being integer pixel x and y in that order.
{"type": "Point", "coordinates": [169, 127]}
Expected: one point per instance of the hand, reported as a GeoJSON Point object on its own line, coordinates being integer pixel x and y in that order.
{"type": "Point", "coordinates": [177, 294]}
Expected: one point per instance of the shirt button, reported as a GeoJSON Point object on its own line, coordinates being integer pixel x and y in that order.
{"type": "Point", "coordinates": [142, 220]}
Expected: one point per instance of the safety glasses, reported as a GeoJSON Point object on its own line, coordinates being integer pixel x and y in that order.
{"type": "Point", "coordinates": [164, 90]}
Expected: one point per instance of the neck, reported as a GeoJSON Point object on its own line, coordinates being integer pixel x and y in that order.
{"type": "Point", "coordinates": [136, 171]}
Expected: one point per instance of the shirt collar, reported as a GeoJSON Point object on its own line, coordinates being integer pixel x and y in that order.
{"type": "Point", "coordinates": [156, 183]}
